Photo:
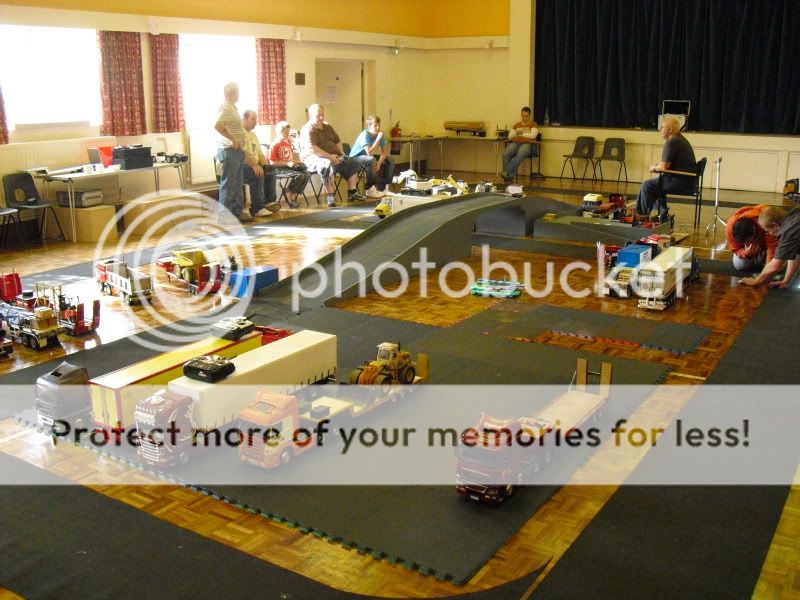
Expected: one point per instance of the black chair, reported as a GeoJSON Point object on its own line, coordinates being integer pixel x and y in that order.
{"type": "Point", "coordinates": [696, 191]}
{"type": "Point", "coordinates": [21, 194]}
{"type": "Point", "coordinates": [614, 149]}
{"type": "Point", "coordinates": [584, 150]}
{"type": "Point", "coordinates": [362, 174]}
{"type": "Point", "coordinates": [9, 216]}
{"type": "Point", "coordinates": [538, 157]}
{"type": "Point", "coordinates": [283, 183]}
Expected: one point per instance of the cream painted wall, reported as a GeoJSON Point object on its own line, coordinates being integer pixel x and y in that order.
{"type": "Point", "coordinates": [338, 85]}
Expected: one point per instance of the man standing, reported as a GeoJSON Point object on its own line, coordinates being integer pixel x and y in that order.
{"type": "Point", "coordinates": [786, 228]}
{"type": "Point", "coordinates": [372, 142]}
{"type": "Point", "coordinates": [322, 152]}
{"type": "Point", "coordinates": [231, 155]}
{"type": "Point", "coordinates": [260, 178]}
{"type": "Point", "coordinates": [522, 144]}
{"type": "Point", "coordinates": [677, 155]}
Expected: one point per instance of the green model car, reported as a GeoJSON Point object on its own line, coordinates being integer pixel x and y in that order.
{"type": "Point", "coordinates": [493, 288]}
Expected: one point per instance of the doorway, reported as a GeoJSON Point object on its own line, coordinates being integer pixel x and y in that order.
{"type": "Point", "coordinates": [347, 90]}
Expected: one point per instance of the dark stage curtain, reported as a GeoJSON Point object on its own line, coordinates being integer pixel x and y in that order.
{"type": "Point", "coordinates": [610, 63]}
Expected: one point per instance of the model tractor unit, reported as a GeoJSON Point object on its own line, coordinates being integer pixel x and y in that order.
{"type": "Point", "coordinates": [63, 394]}
{"type": "Point", "coordinates": [115, 277]}
{"type": "Point", "coordinates": [659, 279]}
{"type": "Point", "coordinates": [70, 310]}
{"type": "Point", "coordinates": [10, 287]}
{"type": "Point", "coordinates": [198, 409]}
{"type": "Point", "coordinates": [191, 266]}
{"type": "Point", "coordinates": [36, 329]}
{"type": "Point", "coordinates": [621, 265]}
{"type": "Point", "coordinates": [490, 460]}
{"type": "Point", "coordinates": [391, 366]}
{"type": "Point", "coordinates": [114, 395]}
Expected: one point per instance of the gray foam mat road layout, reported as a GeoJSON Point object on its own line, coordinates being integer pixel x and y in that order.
{"type": "Point", "coordinates": [50, 549]}
{"type": "Point", "coordinates": [671, 337]}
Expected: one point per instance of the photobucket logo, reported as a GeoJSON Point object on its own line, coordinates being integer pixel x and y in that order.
{"type": "Point", "coordinates": [166, 315]}
{"type": "Point", "coordinates": [319, 283]}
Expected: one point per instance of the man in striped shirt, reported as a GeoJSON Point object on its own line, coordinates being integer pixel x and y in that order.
{"type": "Point", "coordinates": [231, 154]}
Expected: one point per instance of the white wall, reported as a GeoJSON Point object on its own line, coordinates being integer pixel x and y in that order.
{"type": "Point", "coordinates": [338, 85]}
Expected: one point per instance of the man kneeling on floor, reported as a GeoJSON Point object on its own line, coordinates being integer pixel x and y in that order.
{"type": "Point", "coordinates": [322, 152]}
{"type": "Point", "coordinates": [751, 246]}
{"type": "Point", "coordinates": [260, 177]}
{"type": "Point", "coordinates": [786, 228]}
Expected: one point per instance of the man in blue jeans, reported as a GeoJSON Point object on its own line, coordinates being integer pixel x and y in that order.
{"type": "Point", "coordinates": [231, 155]}
{"type": "Point", "coordinates": [521, 145]}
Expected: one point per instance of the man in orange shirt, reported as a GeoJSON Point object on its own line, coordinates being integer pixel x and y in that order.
{"type": "Point", "coordinates": [752, 247]}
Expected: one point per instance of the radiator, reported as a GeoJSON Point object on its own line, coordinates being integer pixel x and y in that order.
{"type": "Point", "coordinates": [202, 149]}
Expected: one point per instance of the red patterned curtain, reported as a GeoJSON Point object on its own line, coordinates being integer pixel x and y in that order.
{"type": "Point", "coordinates": [271, 80]}
{"type": "Point", "coordinates": [167, 94]}
{"type": "Point", "coordinates": [3, 125]}
{"type": "Point", "coordinates": [121, 83]}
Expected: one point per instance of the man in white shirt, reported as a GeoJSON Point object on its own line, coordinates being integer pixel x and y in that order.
{"type": "Point", "coordinates": [521, 144]}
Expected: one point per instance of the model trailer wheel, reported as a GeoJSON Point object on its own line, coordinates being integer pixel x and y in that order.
{"type": "Point", "coordinates": [408, 375]}
{"type": "Point", "coordinates": [26, 341]}
{"type": "Point", "coordinates": [35, 343]}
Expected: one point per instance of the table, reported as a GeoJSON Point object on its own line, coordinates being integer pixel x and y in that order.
{"type": "Point", "coordinates": [498, 144]}
{"type": "Point", "coordinates": [70, 178]}
{"type": "Point", "coordinates": [416, 140]}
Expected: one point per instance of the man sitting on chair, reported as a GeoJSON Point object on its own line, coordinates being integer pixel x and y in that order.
{"type": "Point", "coordinates": [283, 158]}
{"type": "Point", "coordinates": [260, 177]}
{"type": "Point", "coordinates": [521, 145]}
{"type": "Point", "coordinates": [677, 155]}
{"type": "Point", "coordinates": [372, 142]}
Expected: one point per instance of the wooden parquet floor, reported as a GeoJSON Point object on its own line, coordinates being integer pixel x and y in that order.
{"type": "Point", "coordinates": [715, 303]}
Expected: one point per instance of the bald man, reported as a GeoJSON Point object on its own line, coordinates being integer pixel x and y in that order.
{"type": "Point", "coordinates": [676, 156]}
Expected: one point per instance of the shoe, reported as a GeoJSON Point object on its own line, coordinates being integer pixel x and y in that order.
{"type": "Point", "coordinates": [262, 213]}
{"type": "Point", "coordinates": [374, 193]}
{"type": "Point", "coordinates": [663, 217]}
{"type": "Point", "coordinates": [293, 204]}
{"type": "Point", "coordinates": [245, 216]}
{"type": "Point", "coordinates": [356, 196]}
{"type": "Point", "coordinates": [331, 200]}
{"type": "Point", "coordinates": [273, 207]}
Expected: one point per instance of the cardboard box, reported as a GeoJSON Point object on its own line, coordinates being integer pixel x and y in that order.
{"type": "Point", "coordinates": [89, 223]}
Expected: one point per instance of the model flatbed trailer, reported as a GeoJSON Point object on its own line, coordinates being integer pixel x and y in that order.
{"type": "Point", "coordinates": [114, 396]}
{"type": "Point", "coordinates": [36, 329]}
{"type": "Point", "coordinates": [488, 469]}
{"type": "Point", "coordinates": [199, 407]}
{"type": "Point", "coordinates": [658, 280]}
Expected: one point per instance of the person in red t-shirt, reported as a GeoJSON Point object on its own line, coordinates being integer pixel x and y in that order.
{"type": "Point", "coordinates": [752, 247]}
{"type": "Point", "coordinates": [283, 157]}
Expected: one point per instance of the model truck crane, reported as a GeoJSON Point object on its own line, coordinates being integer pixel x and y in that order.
{"type": "Point", "coordinates": [391, 366]}
{"type": "Point", "coordinates": [199, 409]}
{"type": "Point", "coordinates": [490, 460]}
{"type": "Point", "coordinates": [114, 276]}
{"type": "Point", "coordinates": [36, 329]}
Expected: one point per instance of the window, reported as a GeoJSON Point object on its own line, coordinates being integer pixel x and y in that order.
{"type": "Point", "coordinates": [208, 62]}
{"type": "Point", "coordinates": [49, 75]}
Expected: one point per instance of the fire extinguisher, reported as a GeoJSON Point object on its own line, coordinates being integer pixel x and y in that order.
{"type": "Point", "coordinates": [395, 133]}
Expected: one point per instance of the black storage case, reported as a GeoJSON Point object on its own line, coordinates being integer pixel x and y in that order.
{"type": "Point", "coordinates": [128, 157]}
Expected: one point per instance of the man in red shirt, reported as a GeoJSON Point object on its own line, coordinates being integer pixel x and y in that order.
{"type": "Point", "coordinates": [752, 247]}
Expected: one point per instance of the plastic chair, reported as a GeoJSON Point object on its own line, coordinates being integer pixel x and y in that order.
{"type": "Point", "coordinates": [614, 149]}
{"type": "Point", "coordinates": [584, 150]}
{"type": "Point", "coordinates": [21, 194]}
{"type": "Point", "coordinates": [538, 157]}
{"type": "Point", "coordinates": [697, 186]}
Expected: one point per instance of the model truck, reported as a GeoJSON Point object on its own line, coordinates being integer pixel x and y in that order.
{"type": "Point", "coordinates": [391, 365]}
{"type": "Point", "coordinates": [197, 409]}
{"type": "Point", "coordinates": [70, 310]}
{"type": "Point", "coordinates": [114, 276]}
{"type": "Point", "coordinates": [36, 329]}
{"type": "Point", "coordinates": [490, 461]}
{"type": "Point", "coordinates": [658, 280]}
{"type": "Point", "coordinates": [193, 267]}
{"type": "Point", "coordinates": [63, 394]}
